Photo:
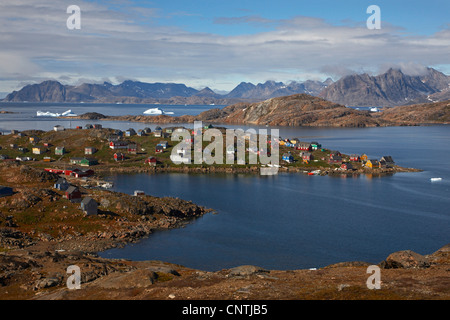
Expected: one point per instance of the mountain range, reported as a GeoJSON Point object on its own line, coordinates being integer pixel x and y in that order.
{"type": "Point", "coordinates": [170, 93]}
{"type": "Point", "coordinates": [392, 88]}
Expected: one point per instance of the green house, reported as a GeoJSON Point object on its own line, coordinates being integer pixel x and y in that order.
{"type": "Point", "coordinates": [60, 151]}
{"type": "Point", "coordinates": [84, 162]}
{"type": "Point", "coordinates": [315, 145]}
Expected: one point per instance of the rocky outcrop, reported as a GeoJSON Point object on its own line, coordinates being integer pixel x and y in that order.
{"type": "Point", "coordinates": [406, 259]}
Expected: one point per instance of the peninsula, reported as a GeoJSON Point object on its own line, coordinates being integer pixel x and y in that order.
{"type": "Point", "coordinates": [303, 110]}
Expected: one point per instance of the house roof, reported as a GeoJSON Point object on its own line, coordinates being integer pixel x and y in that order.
{"type": "Point", "coordinates": [87, 200]}
{"type": "Point", "coordinates": [387, 159]}
{"type": "Point", "coordinates": [71, 189]}
{"type": "Point", "coordinates": [61, 180]}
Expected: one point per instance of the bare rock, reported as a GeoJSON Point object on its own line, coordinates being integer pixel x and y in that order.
{"type": "Point", "coordinates": [406, 259]}
{"type": "Point", "coordinates": [245, 271]}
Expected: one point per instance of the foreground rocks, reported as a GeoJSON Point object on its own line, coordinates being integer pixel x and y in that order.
{"type": "Point", "coordinates": [39, 272]}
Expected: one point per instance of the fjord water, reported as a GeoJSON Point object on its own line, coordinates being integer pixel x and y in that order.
{"type": "Point", "coordinates": [292, 221]}
{"type": "Point", "coordinates": [287, 221]}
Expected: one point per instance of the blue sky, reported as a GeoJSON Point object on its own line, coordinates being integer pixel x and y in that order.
{"type": "Point", "coordinates": [420, 17]}
{"type": "Point", "coordinates": [217, 43]}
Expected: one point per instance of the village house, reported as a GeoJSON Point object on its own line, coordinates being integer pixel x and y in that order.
{"type": "Point", "coordinates": [163, 144]}
{"type": "Point", "coordinates": [22, 149]}
{"type": "Point", "coordinates": [119, 157]}
{"type": "Point", "coordinates": [84, 162]}
{"type": "Point", "coordinates": [386, 162]}
{"type": "Point", "coordinates": [4, 157]}
{"type": "Point", "coordinates": [34, 139]}
{"type": "Point", "coordinates": [147, 130]}
{"type": "Point", "coordinates": [6, 191]}
{"type": "Point", "coordinates": [306, 156]}
{"type": "Point", "coordinates": [130, 132]}
{"type": "Point", "coordinates": [346, 166]}
{"type": "Point", "coordinates": [335, 157]}
{"type": "Point", "coordinates": [89, 206]}
{"type": "Point", "coordinates": [88, 126]}
{"type": "Point", "coordinates": [82, 173]}
{"type": "Point", "coordinates": [372, 163]}
{"type": "Point", "coordinates": [132, 148]}
{"type": "Point", "coordinates": [97, 126]}
{"type": "Point", "coordinates": [118, 144]}
{"type": "Point", "coordinates": [364, 158]}
{"type": "Point", "coordinates": [288, 157]}
{"type": "Point", "coordinates": [157, 133]}
{"type": "Point", "coordinates": [89, 150]}
{"type": "Point", "coordinates": [315, 145]}
{"type": "Point", "coordinates": [141, 133]}
{"type": "Point", "coordinates": [61, 184]}
{"type": "Point", "coordinates": [58, 128]}
{"type": "Point", "coordinates": [73, 194]}
{"type": "Point", "coordinates": [39, 150]}
{"type": "Point", "coordinates": [151, 161]}
{"type": "Point", "coordinates": [60, 151]}
{"type": "Point", "coordinates": [138, 193]}
{"type": "Point", "coordinates": [304, 146]}
{"type": "Point", "coordinates": [354, 157]}
{"type": "Point", "coordinates": [159, 149]}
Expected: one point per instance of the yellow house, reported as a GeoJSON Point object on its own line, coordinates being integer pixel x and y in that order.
{"type": "Point", "coordinates": [38, 150]}
{"type": "Point", "coordinates": [372, 163]}
{"type": "Point", "coordinates": [34, 139]}
{"type": "Point", "coordinates": [282, 143]}
{"type": "Point", "coordinates": [364, 157]}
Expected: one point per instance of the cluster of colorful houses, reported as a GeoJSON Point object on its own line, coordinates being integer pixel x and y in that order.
{"type": "Point", "coordinates": [334, 157]}
{"type": "Point", "coordinates": [72, 193]}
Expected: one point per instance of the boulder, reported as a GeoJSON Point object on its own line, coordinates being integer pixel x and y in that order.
{"type": "Point", "coordinates": [245, 271]}
{"type": "Point", "coordinates": [406, 259]}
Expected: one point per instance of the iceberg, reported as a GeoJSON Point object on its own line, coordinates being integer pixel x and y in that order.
{"type": "Point", "coordinates": [156, 111]}
{"type": "Point", "coordinates": [67, 113]}
{"type": "Point", "coordinates": [153, 111]}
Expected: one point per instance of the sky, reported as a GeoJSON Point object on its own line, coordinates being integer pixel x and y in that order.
{"type": "Point", "coordinates": [217, 43]}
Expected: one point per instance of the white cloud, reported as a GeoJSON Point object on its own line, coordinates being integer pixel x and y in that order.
{"type": "Point", "coordinates": [115, 44]}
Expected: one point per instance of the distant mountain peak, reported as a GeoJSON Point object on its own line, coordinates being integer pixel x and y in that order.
{"type": "Point", "coordinates": [389, 89]}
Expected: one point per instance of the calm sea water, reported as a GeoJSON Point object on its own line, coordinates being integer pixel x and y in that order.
{"type": "Point", "coordinates": [292, 221]}
{"type": "Point", "coordinates": [24, 116]}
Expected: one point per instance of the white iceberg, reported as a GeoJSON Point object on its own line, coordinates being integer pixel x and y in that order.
{"type": "Point", "coordinates": [67, 113]}
{"type": "Point", "coordinates": [153, 111]}
{"type": "Point", "coordinates": [156, 111]}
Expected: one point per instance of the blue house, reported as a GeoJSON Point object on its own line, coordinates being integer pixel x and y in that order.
{"type": "Point", "coordinates": [288, 157]}
{"type": "Point", "coordinates": [61, 184]}
{"type": "Point", "coordinates": [130, 132]}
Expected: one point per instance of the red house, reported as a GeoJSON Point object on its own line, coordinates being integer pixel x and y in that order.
{"type": "Point", "coordinates": [119, 156]}
{"type": "Point", "coordinates": [132, 148]}
{"type": "Point", "coordinates": [354, 157]}
{"type": "Point", "coordinates": [159, 149]}
{"type": "Point", "coordinates": [347, 166]}
{"type": "Point", "coordinates": [304, 146]}
{"type": "Point", "coordinates": [306, 156]}
{"type": "Point", "coordinates": [118, 145]}
{"type": "Point", "coordinates": [151, 161]}
{"type": "Point", "coordinates": [73, 194]}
